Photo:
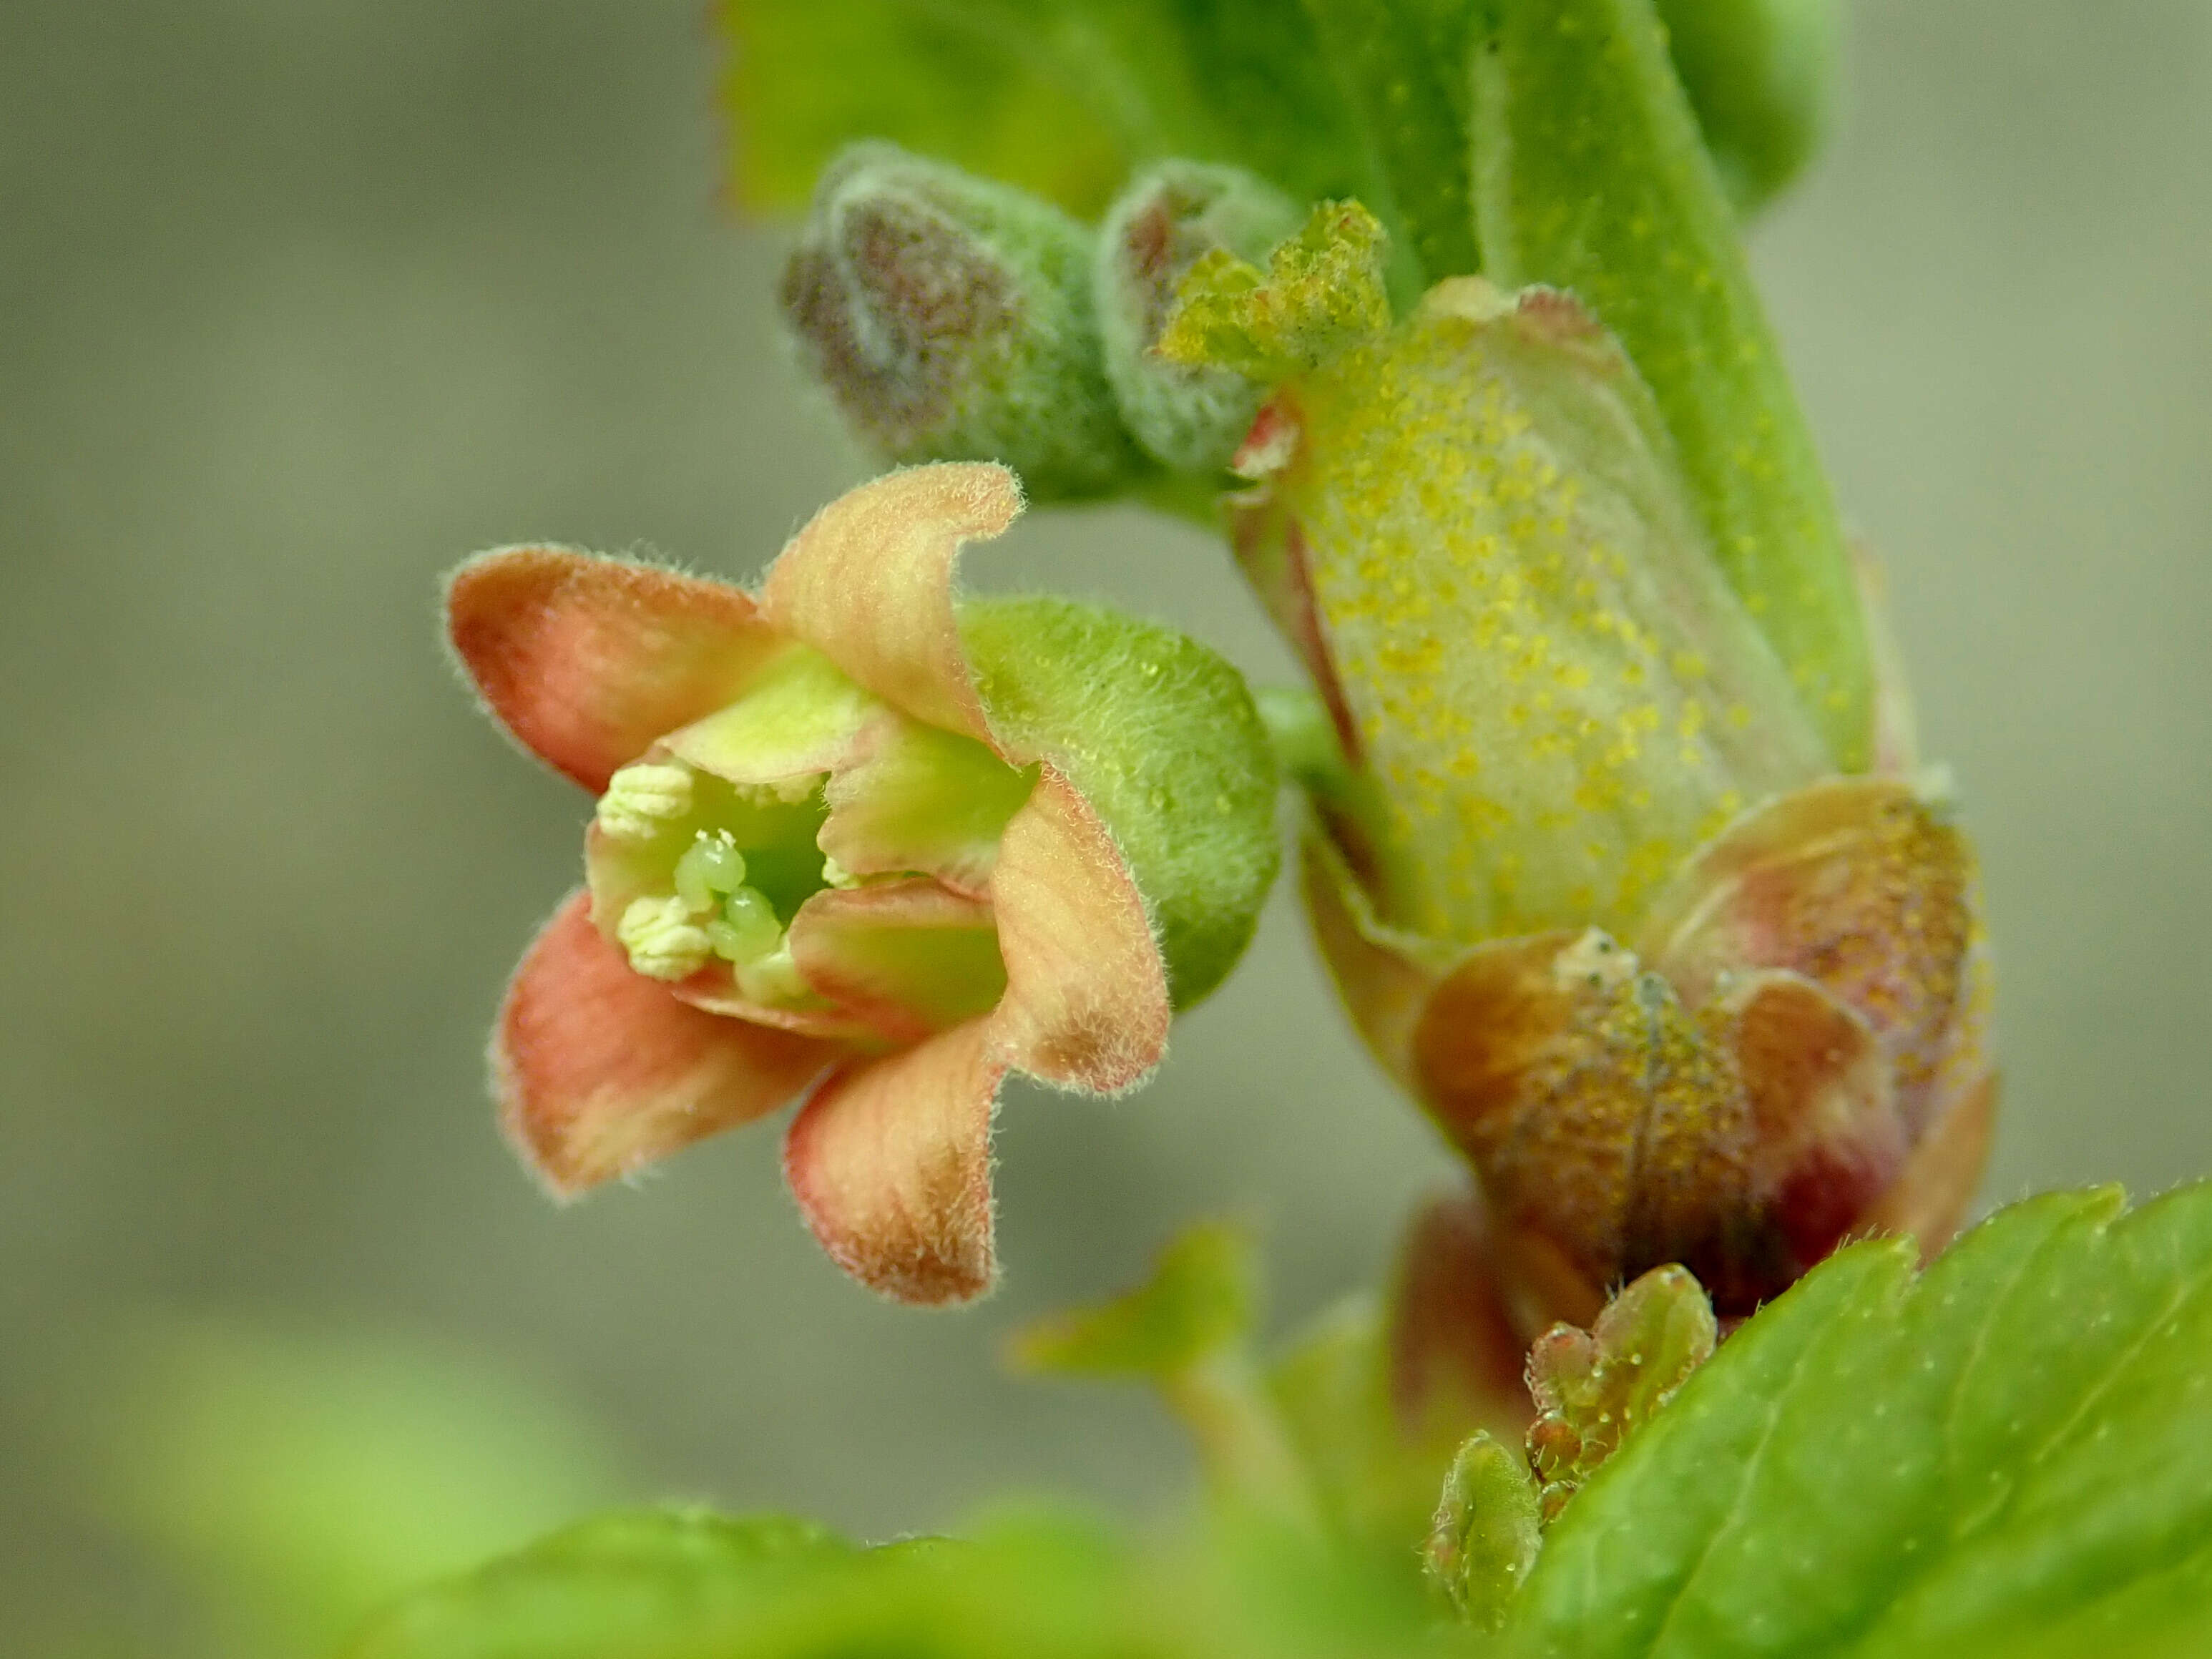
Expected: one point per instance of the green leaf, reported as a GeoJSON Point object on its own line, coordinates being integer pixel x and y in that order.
{"type": "Point", "coordinates": [634, 1583]}
{"type": "Point", "coordinates": [1064, 97]}
{"type": "Point", "coordinates": [1404, 63]}
{"type": "Point", "coordinates": [1199, 1301]}
{"type": "Point", "coordinates": [1759, 73]}
{"type": "Point", "coordinates": [2011, 1454]}
{"type": "Point", "coordinates": [298, 1478]}
{"type": "Point", "coordinates": [1590, 175]}
{"type": "Point", "coordinates": [1037, 1586]}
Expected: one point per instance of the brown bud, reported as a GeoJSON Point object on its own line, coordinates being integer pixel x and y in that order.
{"type": "Point", "coordinates": [1793, 1056]}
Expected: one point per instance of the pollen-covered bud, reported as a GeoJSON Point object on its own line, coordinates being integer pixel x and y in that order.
{"type": "Point", "coordinates": [950, 318]}
{"type": "Point", "coordinates": [1536, 655]}
{"type": "Point", "coordinates": [1189, 416]}
{"type": "Point", "coordinates": [1585, 862]}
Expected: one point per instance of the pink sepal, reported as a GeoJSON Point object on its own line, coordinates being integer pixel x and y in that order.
{"type": "Point", "coordinates": [587, 660]}
{"type": "Point", "coordinates": [599, 1071]}
{"type": "Point", "coordinates": [868, 583]}
{"type": "Point", "coordinates": [890, 1163]}
{"type": "Point", "coordinates": [1086, 1004]}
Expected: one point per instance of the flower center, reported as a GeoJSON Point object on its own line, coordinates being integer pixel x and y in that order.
{"type": "Point", "coordinates": [704, 869]}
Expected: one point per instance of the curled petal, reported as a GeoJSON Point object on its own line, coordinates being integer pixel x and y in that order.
{"type": "Point", "coordinates": [910, 957]}
{"type": "Point", "coordinates": [1930, 1196]}
{"type": "Point", "coordinates": [868, 582]}
{"type": "Point", "coordinates": [587, 660]}
{"type": "Point", "coordinates": [917, 797]}
{"type": "Point", "coordinates": [890, 1163]}
{"type": "Point", "coordinates": [1597, 1111]}
{"type": "Point", "coordinates": [599, 1071]}
{"type": "Point", "coordinates": [1086, 1003]}
{"type": "Point", "coordinates": [799, 720]}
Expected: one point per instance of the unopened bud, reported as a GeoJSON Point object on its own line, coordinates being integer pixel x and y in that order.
{"type": "Point", "coordinates": [1190, 417]}
{"type": "Point", "coordinates": [1593, 1388]}
{"type": "Point", "coordinates": [1485, 1534]}
{"type": "Point", "coordinates": [950, 319]}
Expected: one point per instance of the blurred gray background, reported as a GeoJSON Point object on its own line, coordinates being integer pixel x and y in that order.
{"type": "Point", "coordinates": [300, 302]}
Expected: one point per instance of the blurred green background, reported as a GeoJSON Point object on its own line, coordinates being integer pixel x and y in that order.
{"type": "Point", "coordinates": [302, 302]}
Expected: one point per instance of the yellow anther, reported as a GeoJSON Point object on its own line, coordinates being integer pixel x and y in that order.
{"type": "Point", "coordinates": [642, 801]}
{"type": "Point", "coordinates": [661, 940]}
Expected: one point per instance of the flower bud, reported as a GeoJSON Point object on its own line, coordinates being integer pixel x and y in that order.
{"type": "Point", "coordinates": [950, 318]}
{"type": "Point", "coordinates": [1536, 655]}
{"type": "Point", "coordinates": [1581, 863]}
{"type": "Point", "coordinates": [1594, 1387]}
{"type": "Point", "coordinates": [1189, 416]}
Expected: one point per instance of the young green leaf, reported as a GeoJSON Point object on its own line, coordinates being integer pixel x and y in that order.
{"type": "Point", "coordinates": [1590, 175]}
{"type": "Point", "coordinates": [1198, 1303]}
{"type": "Point", "coordinates": [2009, 1454]}
{"type": "Point", "coordinates": [1187, 1331]}
{"type": "Point", "coordinates": [1594, 1387]}
{"type": "Point", "coordinates": [1322, 293]}
{"type": "Point", "coordinates": [1487, 1533]}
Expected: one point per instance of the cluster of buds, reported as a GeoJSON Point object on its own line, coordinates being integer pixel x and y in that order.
{"type": "Point", "coordinates": [950, 316]}
{"type": "Point", "coordinates": [860, 843]}
{"type": "Point", "coordinates": [1586, 872]}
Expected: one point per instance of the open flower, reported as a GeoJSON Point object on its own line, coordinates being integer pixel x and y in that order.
{"type": "Point", "coordinates": [856, 841]}
{"type": "Point", "coordinates": [1590, 876]}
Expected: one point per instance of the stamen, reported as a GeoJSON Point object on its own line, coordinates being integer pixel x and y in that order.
{"type": "Point", "coordinates": [643, 800]}
{"type": "Point", "coordinates": [661, 940]}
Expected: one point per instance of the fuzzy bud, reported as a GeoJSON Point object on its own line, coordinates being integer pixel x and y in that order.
{"type": "Point", "coordinates": [950, 319]}
{"type": "Point", "coordinates": [1191, 417]}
